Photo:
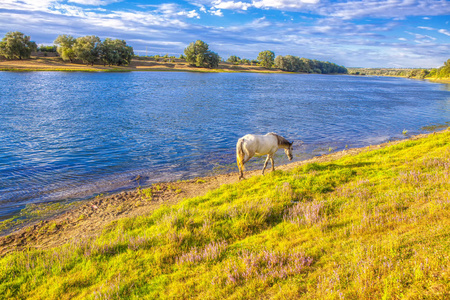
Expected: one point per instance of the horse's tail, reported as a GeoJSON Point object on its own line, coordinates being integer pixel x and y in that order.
{"type": "Point", "coordinates": [240, 154]}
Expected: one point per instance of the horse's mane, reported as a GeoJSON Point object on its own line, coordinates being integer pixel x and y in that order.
{"type": "Point", "coordinates": [281, 140]}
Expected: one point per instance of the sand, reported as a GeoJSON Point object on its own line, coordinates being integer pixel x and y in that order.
{"type": "Point", "coordinates": [57, 64]}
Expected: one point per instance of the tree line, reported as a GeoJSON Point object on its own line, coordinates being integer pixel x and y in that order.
{"type": "Point", "coordinates": [198, 54]}
{"type": "Point", "coordinates": [304, 65]}
{"type": "Point", "coordinates": [441, 72]}
{"type": "Point", "coordinates": [90, 49]}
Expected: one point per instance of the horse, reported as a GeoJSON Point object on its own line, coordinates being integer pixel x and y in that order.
{"type": "Point", "coordinates": [251, 144]}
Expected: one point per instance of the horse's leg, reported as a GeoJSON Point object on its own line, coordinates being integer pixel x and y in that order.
{"type": "Point", "coordinates": [244, 160]}
{"type": "Point", "coordinates": [265, 163]}
{"type": "Point", "coordinates": [273, 165]}
{"type": "Point", "coordinates": [241, 168]}
{"type": "Point", "coordinates": [241, 172]}
{"type": "Point", "coordinates": [241, 175]}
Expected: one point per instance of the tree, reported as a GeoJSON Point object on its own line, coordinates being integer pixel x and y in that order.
{"type": "Point", "coordinates": [212, 59]}
{"type": "Point", "coordinates": [234, 59]}
{"type": "Point", "coordinates": [280, 62]}
{"type": "Point", "coordinates": [43, 48]}
{"type": "Point", "coordinates": [17, 45]}
{"type": "Point", "coordinates": [295, 64]}
{"type": "Point", "coordinates": [197, 54]}
{"type": "Point", "coordinates": [87, 48]}
{"type": "Point", "coordinates": [65, 47]}
{"type": "Point", "coordinates": [289, 63]}
{"type": "Point", "coordinates": [444, 72]}
{"type": "Point", "coordinates": [266, 59]}
{"type": "Point", "coordinates": [115, 52]}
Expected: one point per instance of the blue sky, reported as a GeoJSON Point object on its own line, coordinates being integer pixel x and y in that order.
{"type": "Point", "coordinates": [353, 33]}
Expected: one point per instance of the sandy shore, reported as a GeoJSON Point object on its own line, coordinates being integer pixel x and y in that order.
{"type": "Point", "coordinates": [57, 64]}
{"type": "Point", "coordinates": [89, 219]}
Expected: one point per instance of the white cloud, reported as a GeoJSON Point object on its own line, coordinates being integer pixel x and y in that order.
{"type": "Point", "coordinates": [189, 14]}
{"type": "Point", "coordinates": [219, 4]}
{"type": "Point", "coordinates": [444, 31]}
{"type": "Point", "coordinates": [27, 4]}
{"type": "Point", "coordinates": [347, 9]}
{"type": "Point", "coordinates": [254, 25]}
{"type": "Point", "coordinates": [334, 37]}
{"type": "Point", "coordinates": [93, 2]}
{"type": "Point", "coordinates": [216, 12]}
{"type": "Point", "coordinates": [422, 38]}
{"type": "Point", "coordinates": [426, 28]}
{"type": "Point", "coordinates": [398, 9]}
{"type": "Point", "coordinates": [283, 4]}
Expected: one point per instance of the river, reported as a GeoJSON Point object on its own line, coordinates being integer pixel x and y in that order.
{"type": "Point", "coordinates": [70, 136]}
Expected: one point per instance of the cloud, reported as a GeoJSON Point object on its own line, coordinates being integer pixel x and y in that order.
{"type": "Point", "coordinates": [189, 14]}
{"type": "Point", "coordinates": [216, 12]}
{"type": "Point", "coordinates": [94, 2]}
{"type": "Point", "coordinates": [422, 38]}
{"type": "Point", "coordinates": [283, 4]}
{"type": "Point", "coordinates": [444, 31]}
{"type": "Point", "coordinates": [231, 5]}
{"type": "Point", "coordinates": [347, 9]}
{"type": "Point", "coordinates": [425, 28]}
{"type": "Point", "coordinates": [29, 5]}
{"type": "Point", "coordinates": [172, 9]}
{"type": "Point", "coordinates": [324, 30]}
{"type": "Point", "coordinates": [385, 8]}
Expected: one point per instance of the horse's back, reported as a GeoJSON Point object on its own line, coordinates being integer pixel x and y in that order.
{"type": "Point", "coordinates": [260, 144]}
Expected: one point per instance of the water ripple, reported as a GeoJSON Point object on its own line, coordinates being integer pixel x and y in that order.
{"type": "Point", "coordinates": [67, 136]}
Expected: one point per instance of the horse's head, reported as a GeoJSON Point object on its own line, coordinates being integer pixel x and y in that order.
{"type": "Point", "coordinates": [288, 151]}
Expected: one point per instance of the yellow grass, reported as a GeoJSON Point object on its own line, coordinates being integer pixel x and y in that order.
{"type": "Point", "coordinates": [57, 64]}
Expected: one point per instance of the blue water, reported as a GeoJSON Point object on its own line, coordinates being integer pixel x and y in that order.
{"type": "Point", "coordinates": [67, 136]}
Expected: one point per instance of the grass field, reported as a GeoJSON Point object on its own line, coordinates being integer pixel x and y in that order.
{"type": "Point", "coordinates": [375, 225]}
{"type": "Point", "coordinates": [137, 64]}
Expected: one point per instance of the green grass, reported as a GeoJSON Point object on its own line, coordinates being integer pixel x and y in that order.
{"type": "Point", "coordinates": [369, 226]}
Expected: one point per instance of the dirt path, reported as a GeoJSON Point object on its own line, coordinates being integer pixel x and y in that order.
{"type": "Point", "coordinates": [89, 219]}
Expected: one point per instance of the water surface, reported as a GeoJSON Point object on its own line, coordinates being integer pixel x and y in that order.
{"type": "Point", "coordinates": [68, 136]}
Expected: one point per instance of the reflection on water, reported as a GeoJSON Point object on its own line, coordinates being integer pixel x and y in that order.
{"type": "Point", "coordinates": [74, 135]}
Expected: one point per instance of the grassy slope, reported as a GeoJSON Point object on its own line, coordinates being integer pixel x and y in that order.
{"type": "Point", "coordinates": [374, 226]}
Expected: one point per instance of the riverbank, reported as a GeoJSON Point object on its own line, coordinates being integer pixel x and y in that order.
{"type": "Point", "coordinates": [439, 80]}
{"type": "Point", "coordinates": [141, 64]}
{"type": "Point", "coordinates": [395, 72]}
{"type": "Point", "coordinates": [365, 223]}
{"type": "Point", "coordinates": [46, 225]}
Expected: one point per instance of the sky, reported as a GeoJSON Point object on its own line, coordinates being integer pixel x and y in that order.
{"type": "Point", "coordinates": [352, 33]}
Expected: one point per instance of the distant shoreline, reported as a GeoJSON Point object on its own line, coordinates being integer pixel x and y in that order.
{"type": "Point", "coordinates": [56, 64]}
{"type": "Point", "coordinates": [177, 65]}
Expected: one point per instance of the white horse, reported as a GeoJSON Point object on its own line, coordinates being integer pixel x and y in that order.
{"type": "Point", "coordinates": [250, 145]}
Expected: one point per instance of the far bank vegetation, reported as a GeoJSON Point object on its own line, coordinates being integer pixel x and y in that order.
{"type": "Point", "coordinates": [92, 50]}
{"type": "Point", "coordinates": [442, 72]}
